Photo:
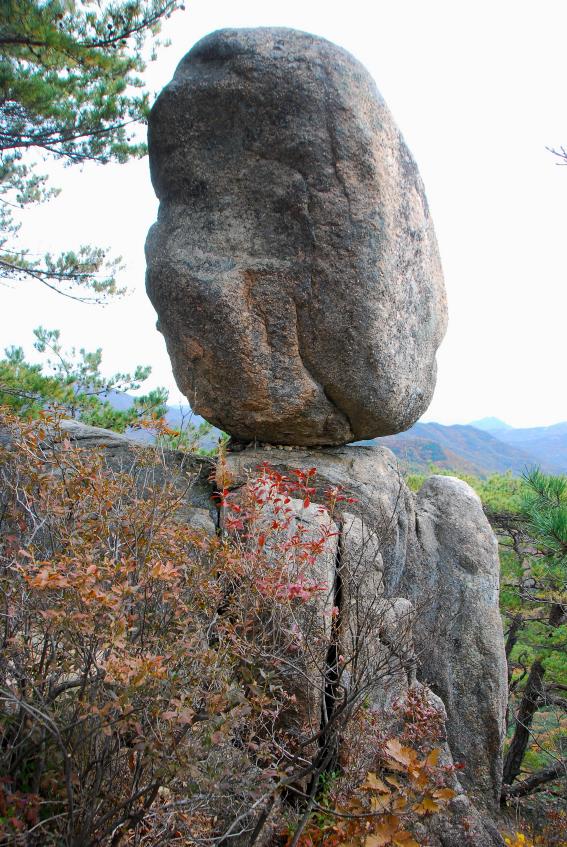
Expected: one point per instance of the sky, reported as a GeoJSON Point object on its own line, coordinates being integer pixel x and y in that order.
{"type": "Point", "coordinates": [478, 90]}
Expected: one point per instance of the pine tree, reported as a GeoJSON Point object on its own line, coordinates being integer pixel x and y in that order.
{"type": "Point", "coordinates": [71, 383]}
{"type": "Point", "coordinates": [70, 89]}
{"type": "Point", "coordinates": [535, 604]}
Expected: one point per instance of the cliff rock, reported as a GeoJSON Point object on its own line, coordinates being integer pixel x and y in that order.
{"type": "Point", "coordinates": [408, 588]}
{"type": "Point", "coordinates": [438, 552]}
{"type": "Point", "coordinates": [454, 569]}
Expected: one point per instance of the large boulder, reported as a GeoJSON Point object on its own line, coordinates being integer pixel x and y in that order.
{"type": "Point", "coordinates": [293, 266]}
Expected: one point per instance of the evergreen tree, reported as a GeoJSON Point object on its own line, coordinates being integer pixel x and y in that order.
{"type": "Point", "coordinates": [70, 89]}
{"type": "Point", "coordinates": [534, 603]}
{"type": "Point", "coordinates": [71, 382]}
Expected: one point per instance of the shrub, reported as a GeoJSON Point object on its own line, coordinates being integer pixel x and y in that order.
{"type": "Point", "coordinates": [162, 685]}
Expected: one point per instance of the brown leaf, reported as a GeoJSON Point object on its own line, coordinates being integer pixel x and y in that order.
{"type": "Point", "coordinates": [427, 806]}
{"type": "Point", "coordinates": [375, 783]}
{"type": "Point", "coordinates": [380, 804]}
{"type": "Point", "coordinates": [433, 757]}
{"type": "Point", "coordinates": [404, 839]}
{"type": "Point", "coordinates": [400, 804]}
{"type": "Point", "coordinates": [377, 840]}
{"type": "Point", "coordinates": [186, 715]}
{"type": "Point", "coordinates": [444, 793]}
{"type": "Point", "coordinates": [396, 751]}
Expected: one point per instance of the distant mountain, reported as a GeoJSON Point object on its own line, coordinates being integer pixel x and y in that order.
{"type": "Point", "coordinates": [547, 444]}
{"type": "Point", "coordinates": [462, 448]}
{"type": "Point", "coordinates": [176, 417]}
{"type": "Point", "coordinates": [491, 425]}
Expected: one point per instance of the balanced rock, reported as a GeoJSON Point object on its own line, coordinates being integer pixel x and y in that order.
{"type": "Point", "coordinates": [293, 266]}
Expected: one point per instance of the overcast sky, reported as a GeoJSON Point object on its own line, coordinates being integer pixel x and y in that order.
{"type": "Point", "coordinates": [478, 90]}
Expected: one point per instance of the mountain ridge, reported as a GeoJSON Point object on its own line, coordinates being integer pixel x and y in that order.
{"type": "Point", "coordinates": [470, 449]}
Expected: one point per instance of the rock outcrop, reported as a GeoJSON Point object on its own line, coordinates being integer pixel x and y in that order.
{"type": "Point", "coordinates": [411, 589]}
{"type": "Point", "coordinates": [421, 569]}
{"type": "Point", "coordinates": [438, 551]}
{"type": "Point", "coordinates": [121, 453]}
{"type": "Point", "coordinates": [453, 575]}
{"type": "Point", "coordinates": [293, 266]}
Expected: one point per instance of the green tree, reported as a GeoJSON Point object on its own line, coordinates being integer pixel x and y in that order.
{"type": "Point", "coordinates": [529, 516]}
{"type": "Point", "coordinates": [500, 493]}
{"type": "Point", "coordinates": [71, 90]}
{"type": "Point", "coordinates": [534, 604]}
{"type": "Point", "coordinates": [72, 382]}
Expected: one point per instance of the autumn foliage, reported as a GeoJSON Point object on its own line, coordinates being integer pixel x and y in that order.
{"type": "Point", "coordinates": [157, 682]}
{"type": "Point", "coordinates": [409, 781]}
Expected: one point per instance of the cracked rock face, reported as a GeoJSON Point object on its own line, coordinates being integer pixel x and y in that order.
{"type": "Point", "coordinates": [437, 551]}
{"type": "Point", "coordinates": [455, 570]}
{"type": "Point", "coordinates": [293, 266]}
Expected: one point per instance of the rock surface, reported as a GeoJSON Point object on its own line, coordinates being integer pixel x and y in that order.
{"type": "Point", "coordinates": [188, 472]}
{"type": "Point", "coordinates": [371, 474]}
{"type": "Point", "coordinates": [452, 575]}
{"type": "Point", "coordinates": [438, 551]}
{"type": "Point", "coordinates": [293, 266]}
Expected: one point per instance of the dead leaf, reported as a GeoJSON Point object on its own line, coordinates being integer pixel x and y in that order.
{"type": "Point", "coordinates": [374, 782]}
{"type": "Point", "coordinates": [396, 751]}
{"type": "Point", "coordinates": [444, 793]}
{"type": "Point", "coordinates": [404, 839]}
{"type": "Point", "coordinates": [377, 840]}
{"type": "Point", "coordinates": [380, 804]}
{"type": "Point", "coordinates": [433, 757]}
{"type": "Point", "coordinates": [427, 806]}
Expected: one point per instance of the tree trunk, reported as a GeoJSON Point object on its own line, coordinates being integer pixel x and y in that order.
{"type": "Point", "coordinates": [516, 624]}
{"type": "Point", "coordinates": [557, 770]}
{"type": "Point", "coordinates": [557, 614]}
{"type": "Point", "coordinates": [529, 704]}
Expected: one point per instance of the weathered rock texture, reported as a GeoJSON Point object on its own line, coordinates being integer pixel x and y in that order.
{"type": "Point", "coordinates": [453, 574]}
{"type": "Point", "coordinates": [293, 266]}
{"type": "Point", "coordinates": [438, 551]}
